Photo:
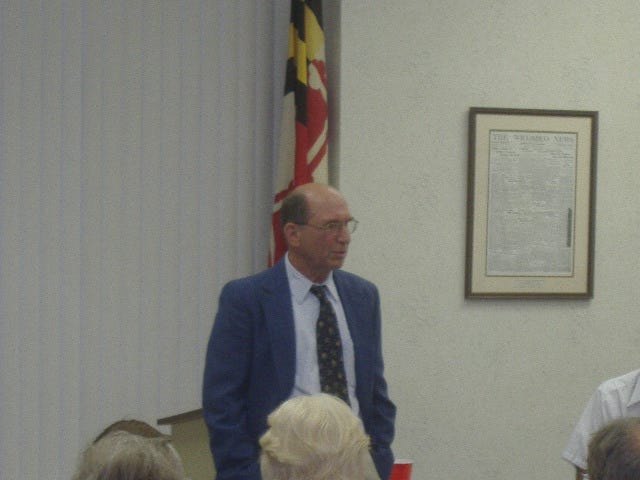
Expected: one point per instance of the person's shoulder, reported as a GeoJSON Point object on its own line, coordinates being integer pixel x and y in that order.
{"type": "Point", "coordinates": [267, 277]}
{"type": "Point", "coordinates": [619, 382]}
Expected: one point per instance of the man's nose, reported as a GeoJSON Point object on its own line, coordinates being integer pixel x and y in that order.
{"type": "Point", "coordinates": [343, 235]}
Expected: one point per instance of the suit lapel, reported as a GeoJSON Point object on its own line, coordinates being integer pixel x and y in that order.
{"type": "Point", "coordinates": [278, 314]}
{"type": "Point", "coordinates": [354, 309]}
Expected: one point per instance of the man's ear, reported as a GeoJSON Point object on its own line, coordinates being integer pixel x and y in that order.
{"type": "Point", "coordinates": [291, 234]}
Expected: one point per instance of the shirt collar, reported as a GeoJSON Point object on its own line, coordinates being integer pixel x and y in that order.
{"type": "Point", "coordinates": [300, 284]}
{"type": "Point", "coordinates": [635, 393]}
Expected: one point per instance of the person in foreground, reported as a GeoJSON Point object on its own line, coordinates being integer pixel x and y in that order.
{"type": "Point", "coordinates": [614, 451]}
{"type": "Point", "coordinates": [120, 455]}
{"type": "Point", "coordinates": [315, 437]}
{"type": "Point", "coordinates": [614, 398]}
{"type": "Point", "coordinates": [263, 347]}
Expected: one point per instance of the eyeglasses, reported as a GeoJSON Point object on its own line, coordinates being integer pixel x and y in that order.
{"type": "Point", "coordinates": [334, 227]}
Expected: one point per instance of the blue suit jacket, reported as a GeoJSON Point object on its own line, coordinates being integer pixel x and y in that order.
{"type": "Point", "coordinates": [250, 367]}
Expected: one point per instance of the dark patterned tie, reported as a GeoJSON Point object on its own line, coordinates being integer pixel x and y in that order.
{"type": "Point", "coordinates": [330, 362]}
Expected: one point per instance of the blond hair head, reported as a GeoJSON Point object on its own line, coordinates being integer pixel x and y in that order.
{"type": "Point", "coordinates": [314, 437]}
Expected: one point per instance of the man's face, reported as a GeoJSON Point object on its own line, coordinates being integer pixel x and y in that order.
{"type": "Point", "coordinates": [319, 250]}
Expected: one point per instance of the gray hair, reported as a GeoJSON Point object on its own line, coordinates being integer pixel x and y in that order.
{"type": "Point", "coordinates": [124, 456]}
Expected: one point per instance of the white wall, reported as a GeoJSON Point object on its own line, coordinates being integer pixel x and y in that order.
{"type": "Point", "coordinates": [486, 389]}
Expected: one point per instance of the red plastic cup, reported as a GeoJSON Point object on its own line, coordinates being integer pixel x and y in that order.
{"type": "Point", "coordinates": [401, 470]}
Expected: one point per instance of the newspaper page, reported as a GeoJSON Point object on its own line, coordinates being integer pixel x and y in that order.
{"type": "Point", "coordinates": [532, 182]}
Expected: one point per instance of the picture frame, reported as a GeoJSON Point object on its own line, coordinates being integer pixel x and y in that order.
{"type": "Point", "coordinates": [531, 203]}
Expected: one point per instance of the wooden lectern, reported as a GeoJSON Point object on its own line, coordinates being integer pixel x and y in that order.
{"type": "Point", "coordinates": [191, 439]}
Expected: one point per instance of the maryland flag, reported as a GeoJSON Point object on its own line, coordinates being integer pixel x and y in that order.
{"type": "Point", "coordinates": [302, 156]}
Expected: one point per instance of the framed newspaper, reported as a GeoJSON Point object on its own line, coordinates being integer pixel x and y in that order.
{"type": "Point", "coordinates": [531, 203]}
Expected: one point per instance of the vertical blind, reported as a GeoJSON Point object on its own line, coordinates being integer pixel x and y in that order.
{"type": "Point", "coordinates": [136, 146]}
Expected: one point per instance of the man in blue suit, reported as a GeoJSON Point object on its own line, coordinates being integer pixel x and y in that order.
{"type": "Point", "coordinates": [262, 348]}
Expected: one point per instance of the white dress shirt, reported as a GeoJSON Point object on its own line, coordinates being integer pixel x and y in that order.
{"type": "Point", "coordinates": [306, 308]}
{"type": "Point", "coordinates": [615, 398]}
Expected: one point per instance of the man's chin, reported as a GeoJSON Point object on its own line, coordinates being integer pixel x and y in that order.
{"type": "Point", "coordinates": [337, 262]}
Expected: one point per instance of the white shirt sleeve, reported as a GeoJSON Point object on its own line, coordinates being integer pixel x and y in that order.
{"type": "Point", "coordinates": [603, 406]}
